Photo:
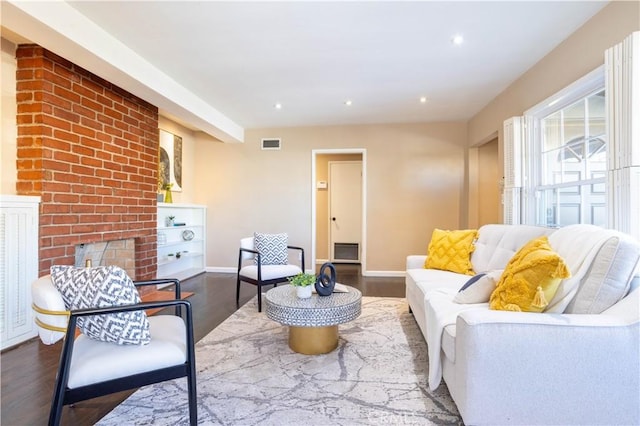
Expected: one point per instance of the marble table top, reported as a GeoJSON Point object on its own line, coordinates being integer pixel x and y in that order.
{"type": "Point", "coordinates": [284, 306]}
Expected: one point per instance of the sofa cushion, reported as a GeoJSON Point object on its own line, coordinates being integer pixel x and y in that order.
{"type": "Point", "coordinates": [479, 288]}
{"type": "Point", "coordinates": [497, 243]}
{"type": "Point", "coordinates": [608, 278]}
{"type": "Point", "coordinates": [272, 248]}
{"type": "Point", "coordinates": [530, 279]}
{"type": "Point", "coordinates": [430, 279]}
{"type": "Point", "coordinates": [449, 342]}
{"type": "Point", "coordinates": [102, 287]}
{"type": "Point", "coordinates": [451, 250]}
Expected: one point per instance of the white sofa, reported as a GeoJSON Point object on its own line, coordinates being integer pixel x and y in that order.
{"type": "Point", "coordinates": [576, 363]}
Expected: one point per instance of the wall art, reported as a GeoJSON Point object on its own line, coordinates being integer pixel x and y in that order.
{"type": "Point", "coordinates": [170, 162]}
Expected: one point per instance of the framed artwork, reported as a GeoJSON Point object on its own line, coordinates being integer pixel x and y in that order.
{"type": "Point", "coordinates": [170, 161]}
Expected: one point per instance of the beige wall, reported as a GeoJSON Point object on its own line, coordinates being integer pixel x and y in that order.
{"type": "Point", "coordinates": [579, 54]}
{"type": "Point", "coordinates": [8, 149]}
{"type": "Point", "coordinates": [322, 200]}
{"type": "Point", "coordinates": [414, 183]}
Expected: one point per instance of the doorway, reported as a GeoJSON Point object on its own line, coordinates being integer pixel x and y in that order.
{"type": "Point", "coordinates": [322, 249]}
{"type": "Point", "coordinates": [484, 179]}
{"type": "Point", "coordinates": [345, 211]}
{"type": "Point", "coordinates": [489, 179]}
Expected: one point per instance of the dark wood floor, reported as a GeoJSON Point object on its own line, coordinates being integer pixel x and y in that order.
{"type": "Point", "coordinates": [28, 370]}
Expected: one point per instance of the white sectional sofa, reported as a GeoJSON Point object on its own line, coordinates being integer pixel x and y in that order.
{"type": "Point", "coordinates": [576, 363]}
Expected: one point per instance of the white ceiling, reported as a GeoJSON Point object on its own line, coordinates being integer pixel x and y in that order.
{"type": "Point", "coordinates": [243, 57]}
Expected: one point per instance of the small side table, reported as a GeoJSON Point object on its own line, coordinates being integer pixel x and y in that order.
{"type": "Point", "coordinates": [313, 323]}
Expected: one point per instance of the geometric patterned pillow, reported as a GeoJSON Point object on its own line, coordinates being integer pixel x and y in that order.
{"type": "Point", "coordinates": [451, 250]}
{"type": "Point", "coordinates": [272, 248]}
{"type": "Point", "coordinates": [102, 287]}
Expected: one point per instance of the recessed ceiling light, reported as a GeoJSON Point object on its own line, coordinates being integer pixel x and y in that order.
{"type": "Point", "coordinates": [348, 102]}
{"type": "Point", "coordinates": [278, 106]}
{"type": "Point", "coordinates": [457, 39]}
{"type": "Point", "coordinates": [423, 100]}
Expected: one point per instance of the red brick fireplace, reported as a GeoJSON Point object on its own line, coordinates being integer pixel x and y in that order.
{"type": "Point", "coordinates": [90, 150]}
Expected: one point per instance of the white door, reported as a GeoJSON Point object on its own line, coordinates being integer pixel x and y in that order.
{"type": "Point", "coordinates": [345, 210]}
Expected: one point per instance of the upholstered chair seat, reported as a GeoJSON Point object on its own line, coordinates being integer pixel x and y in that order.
{"type": "Point", "coordinates": [90, 368]}
{"type": "Point", "coordinates": [270, 272]}
{"type": "Point", "coordinates": [93, 361]}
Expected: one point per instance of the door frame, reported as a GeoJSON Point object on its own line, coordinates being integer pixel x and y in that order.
{"type": "Point", "coordinates": [363, 153]}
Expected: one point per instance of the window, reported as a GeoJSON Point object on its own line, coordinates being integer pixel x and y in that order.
{"type": "Point", "coordinates": [565, 144]}
{"type": "Point", "coordinates": [573, 164]}
{"type": "Point", "coordinates": [575, 158]}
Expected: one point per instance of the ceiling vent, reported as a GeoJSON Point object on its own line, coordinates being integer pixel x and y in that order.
{"type": "Point", "coordinates": [271, 143]}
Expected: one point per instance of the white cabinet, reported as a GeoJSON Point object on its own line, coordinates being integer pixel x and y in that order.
{"type": "Point", "coordinates": [19, 219]}
{"type": "Point", "coordinates": [182, 244]}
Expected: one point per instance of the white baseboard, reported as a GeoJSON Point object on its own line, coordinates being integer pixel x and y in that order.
{"type": "Point", "coordinates": [383, 273]}
{"type": "Point", "coordinates": [222, 269]}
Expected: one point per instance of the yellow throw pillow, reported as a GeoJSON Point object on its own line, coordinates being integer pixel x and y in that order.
{"type": "Point", "coordinates": [451, 251]}
{"type": "Point", "coordinates": [530, 279]}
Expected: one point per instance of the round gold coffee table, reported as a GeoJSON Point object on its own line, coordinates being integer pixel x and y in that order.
{"type": "Point", "coordinates": [313, 323]}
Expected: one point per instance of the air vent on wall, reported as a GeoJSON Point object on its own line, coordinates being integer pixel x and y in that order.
{"type": "Point", "coordinates": [271, 143]}
{"type": "Point", "coordinates": [346, 251]}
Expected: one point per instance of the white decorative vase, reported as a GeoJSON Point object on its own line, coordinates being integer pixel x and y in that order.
{"type": "Point", "coordinates": [304, 292]}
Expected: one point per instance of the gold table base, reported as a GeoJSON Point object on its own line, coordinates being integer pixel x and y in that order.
{"type": "Point", "coordinates": [313, 340]}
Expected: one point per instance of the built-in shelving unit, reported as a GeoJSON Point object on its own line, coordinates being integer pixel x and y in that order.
{"type": "Point", "coordinates": [178, 256]}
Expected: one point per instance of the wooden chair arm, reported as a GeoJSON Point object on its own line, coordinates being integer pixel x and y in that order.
{"type": "Point", "coordinates": [172, 281]}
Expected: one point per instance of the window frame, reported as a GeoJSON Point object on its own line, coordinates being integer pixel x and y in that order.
{"type": "Point", "coordinates": [586, 86]}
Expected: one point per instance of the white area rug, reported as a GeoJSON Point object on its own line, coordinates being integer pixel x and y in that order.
{"type": "Point", "coordinates": [247, 375]}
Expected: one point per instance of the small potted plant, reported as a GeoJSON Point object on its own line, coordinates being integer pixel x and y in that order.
{"type": "Point", "coordinates": [303, 282]}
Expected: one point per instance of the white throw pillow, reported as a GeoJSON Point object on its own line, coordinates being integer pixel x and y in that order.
{"type": "Point", "coordinates": [479, 288]}
{"type": "Point", "coordinates": [102, 287]}
{"type": "Point", "coordinates": [272, 248]}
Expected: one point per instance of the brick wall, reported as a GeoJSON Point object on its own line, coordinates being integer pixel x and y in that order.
{"type": "Point", "coordinates": [90, 150]}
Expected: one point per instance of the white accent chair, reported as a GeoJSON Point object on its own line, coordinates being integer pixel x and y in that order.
{"type": "Point", "coordinates": [260, 275]}
{"type": "Point", "coordinates": [90, 368]}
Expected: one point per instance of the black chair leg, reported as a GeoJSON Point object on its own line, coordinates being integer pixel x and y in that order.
{"type": "Point", "coordinates": [193, 399]}
{"type": "Point", "coordinates": [55, 415]}
{"type": "Point", "coordinates": [238, 292]}
{"type": "Point", "coordinates": [259, 298]}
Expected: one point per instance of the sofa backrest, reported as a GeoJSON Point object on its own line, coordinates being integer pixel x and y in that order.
{"type": "Point", "coordinates": [497, 243]}
{"type": "Point", "coordinates": [602, 263]}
